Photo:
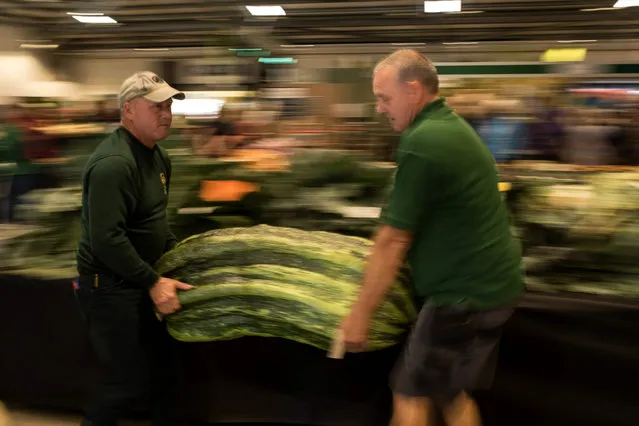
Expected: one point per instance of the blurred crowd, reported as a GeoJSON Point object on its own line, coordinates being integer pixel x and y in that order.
{"type": "Point", "coordinates": [545, 130]}
{"type": "Point", "coordinates": [33, 137]}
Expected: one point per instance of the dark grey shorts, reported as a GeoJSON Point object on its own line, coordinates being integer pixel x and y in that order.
{"type": "Point", "coordinates": [450, 349]}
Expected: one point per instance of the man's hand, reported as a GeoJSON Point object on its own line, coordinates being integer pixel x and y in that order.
{"type": "Point", "coordinates": [164, 295]}
{"type": "Point", "coordinates": [355, 330]}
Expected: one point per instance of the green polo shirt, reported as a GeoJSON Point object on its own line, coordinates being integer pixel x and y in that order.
{"type": "Point", "coordinates": [124, 221]}
{"type": "Point", "coordinates": [446, 194]}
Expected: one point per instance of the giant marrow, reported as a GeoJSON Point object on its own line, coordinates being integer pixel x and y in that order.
{"type": "Point", "coordinates": [277, 282]}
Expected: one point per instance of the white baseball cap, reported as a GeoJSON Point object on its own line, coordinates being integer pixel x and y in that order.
{"type": "Point", "coordinates": [148, 85]}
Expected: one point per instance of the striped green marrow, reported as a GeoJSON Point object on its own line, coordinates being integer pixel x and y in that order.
{"type": "Point", "coordinates": [277, 282]}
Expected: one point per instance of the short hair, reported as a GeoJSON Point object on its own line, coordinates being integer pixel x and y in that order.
{"type": "Point", "coordinates": [411, 66]}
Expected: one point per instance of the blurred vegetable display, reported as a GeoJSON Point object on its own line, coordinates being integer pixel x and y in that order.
{"type": "Point", "coordinates": [579, 229]}
{"type": "Point", "coordinates": [310, 189]}
{"type": "Point", "coordinates": [45, 242]}
{"type": "Point", "coordinates": [581, 232]}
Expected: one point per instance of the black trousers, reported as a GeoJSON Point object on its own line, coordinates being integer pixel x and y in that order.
{"type": "Point", "coordinates": [135, 349]}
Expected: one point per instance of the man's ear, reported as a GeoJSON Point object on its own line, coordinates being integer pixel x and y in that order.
{"type": "Point", "coordinates": [413, 89]}
{"type": "Point", "coordinates": [127, 108]}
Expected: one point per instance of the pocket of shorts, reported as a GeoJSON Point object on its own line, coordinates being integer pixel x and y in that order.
{"type": "Point", "coordinates": [453, 326]}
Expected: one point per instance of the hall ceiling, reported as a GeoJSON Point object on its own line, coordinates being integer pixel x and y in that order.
{"type": "Point", "coordinates": [199, 23]}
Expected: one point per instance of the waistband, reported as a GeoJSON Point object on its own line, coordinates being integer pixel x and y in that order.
{"type": "Point", "coordinates": [94, 278]}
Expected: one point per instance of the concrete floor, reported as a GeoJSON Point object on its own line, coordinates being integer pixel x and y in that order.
{"type": "Point", "coordinates": [18, 416]}
{"type": "Point", "coordinates": [21, 416]}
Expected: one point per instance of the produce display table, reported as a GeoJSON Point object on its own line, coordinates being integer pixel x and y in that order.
{"type": "Point", "coordinates": [565, 359]}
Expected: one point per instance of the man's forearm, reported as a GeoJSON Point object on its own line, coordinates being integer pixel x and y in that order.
{"type": "Point", "coordinates": [389, 252]}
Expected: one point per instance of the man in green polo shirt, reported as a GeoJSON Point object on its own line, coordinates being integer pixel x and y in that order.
{"type": "Point", "coordinates": [124, 232]}
{"type": "Point", "coordinates": [446, 217]}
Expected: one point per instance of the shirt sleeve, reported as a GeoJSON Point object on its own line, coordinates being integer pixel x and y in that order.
{"type": "Point", "coordinates": [414, 191]}
{"type": "Point", "coordinates": [111, 199]}
{"type": "Point", "coordinates": [171, 241]}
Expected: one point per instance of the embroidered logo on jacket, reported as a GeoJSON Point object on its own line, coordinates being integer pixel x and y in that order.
{"type": "Point", "coordinates": [163, 180]}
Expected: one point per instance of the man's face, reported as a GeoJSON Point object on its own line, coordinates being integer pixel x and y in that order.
{"type": "Point", "coordinates": [393, 98]}
{"type": "Point", "coordinates": [151, 120]}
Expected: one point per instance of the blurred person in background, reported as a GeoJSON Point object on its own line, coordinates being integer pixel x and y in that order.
{"type": "Point", "coordinates": [588, 136]}
{"type": "Point", "coordinates": [621, 139]}
{"type": "Point", "coordinates": [7, 166]}
{"type": "Point", "coordinates": [633, 134]}
{"type": "Point", "coordinates": [104, 113]}
{"type": "Point", "coordinates": [222, 137]}
{"type": "Point", "coordinates": [22, 177]}
{"type": "Point", "coordinates": [546, 133]}
{"type": "Point", "coordinates": [446, 217]}
{"type": "Point", "coordinates": [504, 130]}
{"type": "Point", "coordinates": [125, 231]}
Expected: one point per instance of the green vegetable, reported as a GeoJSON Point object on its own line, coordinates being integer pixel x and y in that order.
{"type": "Point", "coordinates": [277, 282]}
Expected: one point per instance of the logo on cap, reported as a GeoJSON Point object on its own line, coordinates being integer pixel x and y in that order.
{"type": "Point", "coordinates": [156, 79]}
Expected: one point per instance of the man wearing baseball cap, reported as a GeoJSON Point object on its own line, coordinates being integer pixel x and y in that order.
{"type": "Point", "coordinates": [124, 232]}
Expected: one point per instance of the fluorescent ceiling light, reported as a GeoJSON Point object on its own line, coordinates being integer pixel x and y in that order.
{"type": "Point", "coordinates": [94, 19]}
{"type": "Point", "coordinates": [564, 55]}
{"type": "Point", "coordinates": [277, 60]}
{"type": "Point", "coordinates": [266, 10]}
{"type": "Point", "coordinates": [576, 41]}
{"type": "Point", "coordinates": [459, 43]}
{"type": "Point", "coordinates": [626, 3]}
{"type": "Point", "coordinates": [150, 49]}
{"type": "Point", "coordinates": [39, 46]}
{"type": "Point", "coordinates": [442, 6]}
{"type": "Point", "coordinates": [297, 45]}
{"type": "Point", "coordinates": [597, 9]}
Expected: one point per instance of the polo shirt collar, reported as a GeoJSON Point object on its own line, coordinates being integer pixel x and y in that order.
{"type": "Point", "coordinates": [429, 109]}
{"type": "Point", "coordinates": [135, 141]}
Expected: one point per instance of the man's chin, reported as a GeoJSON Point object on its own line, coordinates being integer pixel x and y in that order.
{"type": "Point", "coordinates": [162, 134]}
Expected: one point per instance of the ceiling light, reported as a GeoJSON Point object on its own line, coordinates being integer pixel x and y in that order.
{"type": "Point", "coordinates": [576, 41]}
{"type": "Point", "coordinates": [151, 49]}
{"type": "Point", "coordinates": [38, 46]}
{"type": "Point", "coordinates": [459, 43]}
{"type": "Point", "coordinates": [94, 19]}
{"type": "Point", "coordinates": [442, 6]}
{"type": "Point", "coordinates": [297, 45]}
{"type": "Point", "coordinates": [626, 3]}
{"type": "Point", "coordinates": [266, 10]}
{"type": "Point", "coordinates": [564, 55]}
{"type": "Point", "coordinates": [277, 60]}
{"type": "Point", "coordinates": [597, 9]}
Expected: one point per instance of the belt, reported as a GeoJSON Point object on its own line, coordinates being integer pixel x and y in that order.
{"type": "Point", "coordinates": [94, 278]}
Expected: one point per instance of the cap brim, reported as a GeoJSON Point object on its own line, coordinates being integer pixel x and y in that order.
{"type": "Point", "coordinates": [164, 93]}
